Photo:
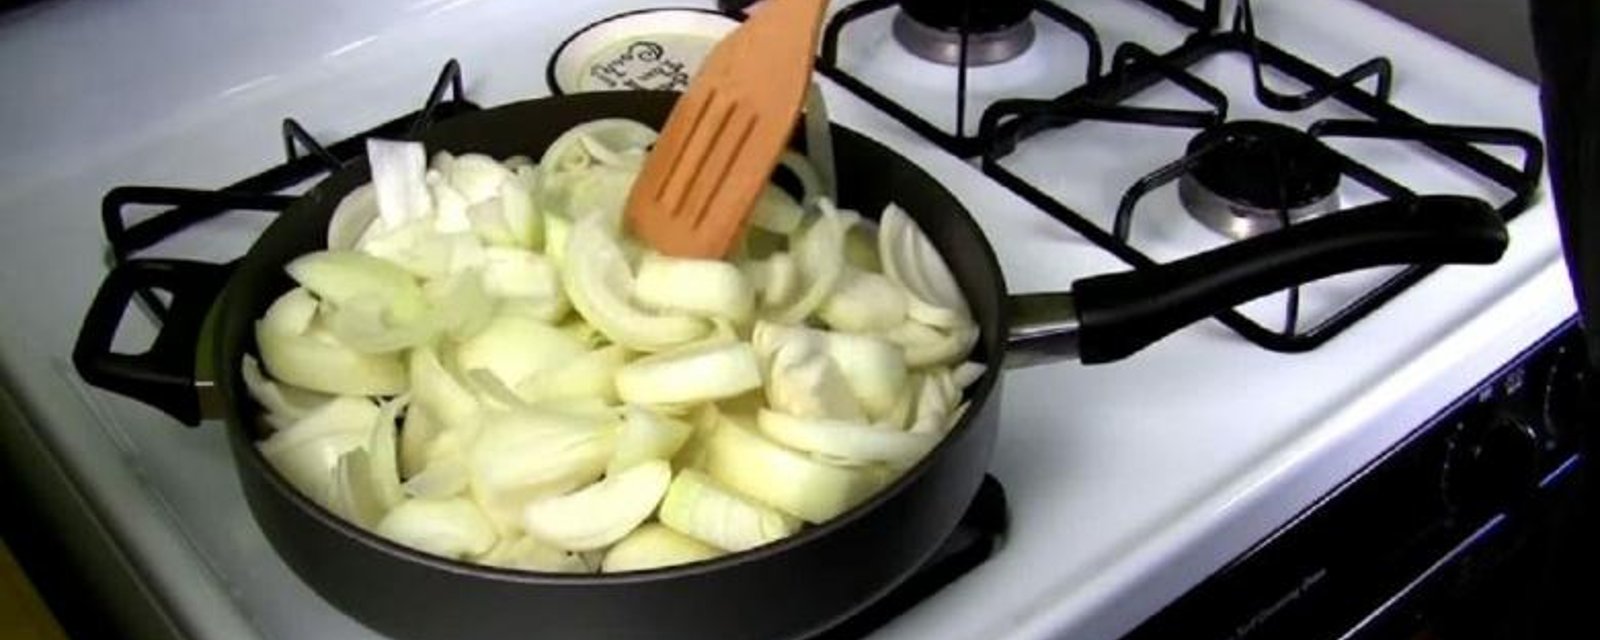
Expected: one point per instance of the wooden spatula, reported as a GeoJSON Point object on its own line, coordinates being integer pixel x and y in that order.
{"type": "Point", "coordinates": [722, 140]}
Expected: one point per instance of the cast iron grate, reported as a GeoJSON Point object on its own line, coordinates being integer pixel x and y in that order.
{"type": "Point", "coordinates": [306, 158]}
{"type": "Point", "coordinates": [1007, 123]}
{"type": "Point", "coordinates": [959, 141]}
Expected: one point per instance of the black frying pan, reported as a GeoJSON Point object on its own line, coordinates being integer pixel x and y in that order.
{"type": "Point", "coordinates": [788, 589]}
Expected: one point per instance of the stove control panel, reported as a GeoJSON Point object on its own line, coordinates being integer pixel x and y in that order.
{"type": "Point", "coordinates": [1417, 526]}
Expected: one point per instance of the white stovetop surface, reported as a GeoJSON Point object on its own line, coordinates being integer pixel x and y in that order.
{"type": "Point", "coordinates": [1128, 483]}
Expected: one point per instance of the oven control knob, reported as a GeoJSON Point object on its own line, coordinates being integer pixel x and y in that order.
{"type": "Point", "coordinates": [1492, 461]}
{"type": "Point", "coordinates": [1566, 391]}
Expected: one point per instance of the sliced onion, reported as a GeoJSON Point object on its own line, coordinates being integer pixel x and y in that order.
{"type": "Point", "coordinates": [708, 288]}
{"type": "Point", "coordinates": [437, 391]}
{"type": "Point", "coordinates": [292, 312]}
{"type": "Point", "coordinates": [444, 478]}
{"type": "Point", "coordinates": [492, 392]}
{"type": "Point", "coordinates": [528, 280]}
{"type": "Point", "coordinates": [308, 451]}
{"type": "Point", "coordinates": [489, 223]}
{"type": "Point", "coordinates": [810, 182]}
{"type": "Point", "coordinates": [598, 282]}
{"type": "Point", "coordinates": [528, 554]}
{"type": "Point", "coordinates": [557, 232]}
{"type": "Point", "coordinates": [911, 260]}
{"type": "Point", "coordinates": [521, 217]}
{"type": "Point", "coordinates": [525, 455]}
{"type": "Point", "coordinates": [280, 400]}
{"type": "Point", "coordinates": [873, 368]}
{"type": "Point", "coordinates": [861, 248]}
{"type": "Point", "coordinates": [776, 211]}
{"type": "Point", "coordinates": [612, 152]}
{"type": "Point", "coordinates": [937, 397]}
{"type": "Point", "coordinates": [610, 137]}
{"type": "Point", "coordinates": [353, 496]}
{"type": "Point", "coordinates": [397, 177]}
{"type": "Point", "coordinates": [458, 304]}
{"type": "Point", "coordinates": [449, 209]}
{"type": "Point", "coordinates": [903, 412]}
{"type": "Point", "coordinates": [926, 346]}
{"type": "Point", "coordinates": [705, 419]}
{"type": "Point", "coordinates": [696, 506]}
{"type": "Point", "coordinates": [592, 375]}
{"type": "Point", "coordinates": [452, 528]}
{"type": "Point", "coordinates": [783, 478]}
{"type": "Point", "coordinates": [339, 414]}
{"type": "Point", "coordinates": [852, 442]}
{"type": "Point", "coordinates": [328, 367]}
{"type": "Point", "coordinates": [513, 347]}
{"type": "Point", "coordinates": [865, 302]}
{"type": "Point", "coordinates": [476, 177]}
{"type": "Point", "coordinates": [383, 447]}
{"type": "Point", "coordinates": [645, 436]}
{"type": "Point", "coordinates": [425, 252]}
{"type": "Point", "coordinates": [967, 373]}
{"type": "Point", "coordinates": [819, 254]}
{"type": "Point", "coordinates": [776, 279]}
{"type": "Point", "coordinates": [601, 513]}
{"type": "Point", "coordinates": [698, 373]}
{"type": "Point", "coordinates": [343, 277]}
{"type": "Point", "coordinates": [417, 434]}
{"type": "Point", "coordinates": [355, 212]}
{"type": "Point", "coordinates": [803, 380]}
{"type": "Point", "coordinates": [655, 545]}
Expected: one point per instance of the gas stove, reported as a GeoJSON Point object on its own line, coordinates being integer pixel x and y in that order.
{"type": "Point", "coordinates": [1127, 484]}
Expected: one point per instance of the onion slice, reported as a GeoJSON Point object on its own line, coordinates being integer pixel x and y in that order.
{"type": "Point", "coordinates": [783, 478]}
{"type": "Point", "coordinates": [655, 545]}
{"type": "Point", "coordinates": [397, 177]}
{"type": "Point", "coordinates": [528, 554]}
{"type": "Point", "coordinates": [707, 288]}
{"type": "Point", "coordinates": [646, 436]}
{"type": "Point", "coordinates": [598, 281]}
{"type": "Point", "coordinates": [852, 442]}
{"type": "Point", "coordinates": [698, 373]}
{"type": "Point", "coordinates": [452, 528]}
{"type": "Point", "coordinates": [602, 513]}
{"type": "Point", "coordinates": [696, 506]}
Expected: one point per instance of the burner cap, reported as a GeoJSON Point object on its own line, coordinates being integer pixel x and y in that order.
{"type": "Point", "coordinates": [997, 30]}
{"type": "Point", "coordinates": [1261, 172]}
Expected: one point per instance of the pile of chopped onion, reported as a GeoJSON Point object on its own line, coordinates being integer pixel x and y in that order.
{"type": "Point", "coordinates": [483, 366]}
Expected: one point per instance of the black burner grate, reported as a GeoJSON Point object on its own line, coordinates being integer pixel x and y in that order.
{"type": "Point", "coordinates": [1008, 122]}
{"type": "Point", "coordinates": [959, 141]}
{"type": "Point", "coordinates": [306, 159]}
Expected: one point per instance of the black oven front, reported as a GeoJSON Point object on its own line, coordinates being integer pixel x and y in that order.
{"type": "Point", "coordinates": [1463, 530]}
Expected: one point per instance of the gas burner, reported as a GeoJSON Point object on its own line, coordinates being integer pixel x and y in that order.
{"type": "Point", "coordinates": [994, 31]}
{"type": "Point", "coordinates": [1258, 176]}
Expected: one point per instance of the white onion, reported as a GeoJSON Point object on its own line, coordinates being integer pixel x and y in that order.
{"type": "Point", "coordinates": [602, 513]}
{"type": "Point", "coordinates": [655, 545]}
{"type": "Point", "coordinates": [696, 506]}
{"type": "Point", "coordinates": [452, 527]}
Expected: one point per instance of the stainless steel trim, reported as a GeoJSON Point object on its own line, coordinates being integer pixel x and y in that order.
{"type": "Point", "coordinates": [1238, 220]}
{"type": "Point", "coordinates": [944, 47]}
{"type": "Point", "coordinates": [1044, 329]}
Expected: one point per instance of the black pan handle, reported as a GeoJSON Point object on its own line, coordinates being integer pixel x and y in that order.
{"type": "Point", "coordinates": [1109, 317]}
{"type": "Point", "coordinates": [164, 375]}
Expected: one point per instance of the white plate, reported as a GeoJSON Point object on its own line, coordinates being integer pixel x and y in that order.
{"type": "Point", "coordinates": [653, 49]}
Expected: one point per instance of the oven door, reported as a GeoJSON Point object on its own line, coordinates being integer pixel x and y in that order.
{"type": "Point", "coordinates": [1459, 531]}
